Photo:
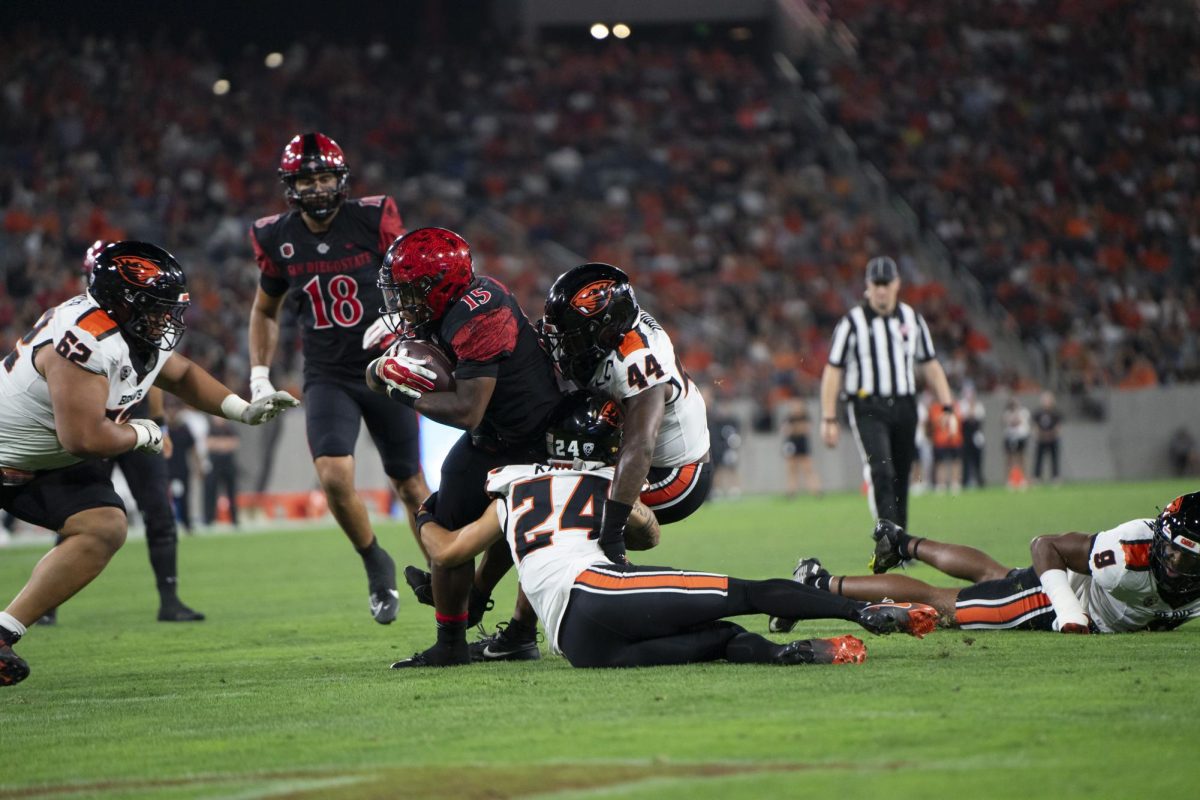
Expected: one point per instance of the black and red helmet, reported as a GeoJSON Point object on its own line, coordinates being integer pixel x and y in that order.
{"type": "Point", "coordinates": [424, 272]}
{"type": "Point", "coordinates": [143, 288]}
{"type": "Point", "coordinates": [312, 154]}
{"type": "Point", "coordinates": [1175, 552]}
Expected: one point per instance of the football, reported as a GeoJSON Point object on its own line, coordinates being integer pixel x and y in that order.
{"type": "Point", "coordinates": [435, 358]}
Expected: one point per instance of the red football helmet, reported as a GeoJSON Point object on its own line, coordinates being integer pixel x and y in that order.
{"type": "Point", "coordinates": [423, 273]}
{"type": "Point", "coordinates": [312, 154]}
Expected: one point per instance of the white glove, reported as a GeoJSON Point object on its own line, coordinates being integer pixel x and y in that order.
{"type": "Point", "coordinates": [260, 382]}
{"type": "Point", "coordinates": [149, 435]}
{"type": "Point", "coordinates": [381, 332]}
{"type": "Point", "coordinates": [404, 375]}
{"type": "Point", "coordinates": [265, 409]}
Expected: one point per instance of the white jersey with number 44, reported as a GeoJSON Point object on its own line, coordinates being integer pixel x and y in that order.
{"type": "Point", "coordinates": [81, 332]}
{"type": "Point", "coordinates": [646, 358]}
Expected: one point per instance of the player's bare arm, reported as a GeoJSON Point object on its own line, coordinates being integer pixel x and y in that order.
{"type": "Point", "coordinates": [642, 531]}
{"type": "Point", "coordinates": [193, 385]}
{"type": "Point", "coordinates": [643, 417]}
{"type": "Point", "coordinates": [79, 398]}
{"type": "Point", "coordinates": [264, 327]}
{"type": "Point", "coordinates": [451, 548]}
{"type": "Point", "coordinates": [462, 408]}
{"type": "Point", "coordinates": [1052, 557]}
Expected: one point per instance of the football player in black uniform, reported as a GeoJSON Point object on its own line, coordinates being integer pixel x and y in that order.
{"type": "Point", "coordinates": [324, 256]}
{"type": "Point", "coordinates": [505, 396]}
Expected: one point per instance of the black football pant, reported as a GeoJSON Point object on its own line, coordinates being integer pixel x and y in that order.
{"type": "Point", "coordinates": [886, 432]}
{"type": "Point", "coordinates": [146, 474]}
{"type": "Point", "coordinates": [636, 616]}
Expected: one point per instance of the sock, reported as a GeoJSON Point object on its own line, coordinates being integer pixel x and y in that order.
{"type": "Point", "coordinates": [522, 629]}
{"type": "Point", "coordinates": [750, 648]}
{"type": "Point", "coordinates": [904, 541]}
{"type": "Point", "coordinates": [369, 552]}
{"type": "Point", "coordinates": [381, 570]}
{"type": "Point", "coordinates": [162, 552]}
{"type": "Point", "coordinates": [11, 629]}
{"type": "Point", "coordinates": [781, 597]}
{"type": "Point", "coordinates": [451, 630]}
{"type": "Point", "coordinates": [822, 582]}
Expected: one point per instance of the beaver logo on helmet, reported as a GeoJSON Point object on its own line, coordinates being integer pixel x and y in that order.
{"type": "Point", "coordinates": [593, 298]}
{"type": "Point", "coordinates": [137, 270]}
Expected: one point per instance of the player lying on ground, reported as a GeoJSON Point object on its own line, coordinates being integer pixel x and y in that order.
{"type": "Point", "coordinates": [601, 614]}
{"type": "Point", "coordinates": [1141, 575]}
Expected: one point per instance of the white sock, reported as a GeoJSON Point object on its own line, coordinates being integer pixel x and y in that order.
{"type": "Point", "coordinates": [12, 623]}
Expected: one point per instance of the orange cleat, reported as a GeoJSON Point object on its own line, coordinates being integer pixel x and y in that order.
{"type": "Point", "coordinates": [915, 619]}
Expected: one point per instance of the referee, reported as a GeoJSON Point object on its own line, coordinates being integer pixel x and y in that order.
{"type": "Point", "coordinates": [875, 348]}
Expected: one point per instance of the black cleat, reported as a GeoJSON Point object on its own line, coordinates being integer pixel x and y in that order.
{"type": "Point", "coordinates": [477, 605]}
{"type": "Point", "coordinates": [384, 605]}
{"type": "Point", "coordinates": [807, 570]}
{"type": "Point", "coordinates": [421, 583]}
{"type": "Point", "coordinates": [842, 650]}
{"type": "Point", "coordinates": [439, 655]}
{"type": "Point", "coordinates": [381, 584]}
{"type": "Point", "coordinates": [915, 619]}
{"type": "Point", "coordinates": [49, 618]}
{"type": "Point", "coordinates": [13, 668]}
{"type": "Point", "coordinates": [177, 612]}
{"type": "Point", "coordinates": [887, 535]}
{"type": "Point", "coordinates": [505, 646]}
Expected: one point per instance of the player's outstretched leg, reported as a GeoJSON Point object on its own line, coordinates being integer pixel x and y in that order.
{"type": "Point", "coordinates": [895, 546]}
{"type": "Point", "coordinates": [805, 572]}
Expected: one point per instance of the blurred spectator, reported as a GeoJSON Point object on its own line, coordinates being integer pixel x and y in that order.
{"type": "Point", "coordinates": [223, 444]}
{"type": "Point", "coordinates": [797, 450]}
{"type": "Point", "coordinates": [725, 437]}
{"type": "Point", "coordinates": [946, 429]}
{"type": "Point", "coordinates": [972, 413]}
{"type": "Point", "coordinates": [183, 459]}
{"type": "Point", "coordinates": [1048, 422]}
{"type": "Point", "coordinates": [1016, 437]}
{"type": "Point", "coordinates": [1184, 453]}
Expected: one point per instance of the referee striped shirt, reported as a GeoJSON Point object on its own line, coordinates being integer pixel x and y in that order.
{"type": "Point", "coordinates": [879, 353]}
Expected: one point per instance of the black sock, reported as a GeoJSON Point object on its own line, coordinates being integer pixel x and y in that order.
{"type": "Point", "coordinates": [522, 629]}
{"type": "Point", "coordinates": [903, 542]}
{"type": "Point", "coordinates": [452, 634]}
{"type": "Point", "coordinates": [822, 582]}
{"type": "Point", "coordinates": [381, 570]}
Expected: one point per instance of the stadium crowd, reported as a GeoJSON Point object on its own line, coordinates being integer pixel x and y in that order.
{"type": "Point", "coordinates": [1053, 149]}
{"type": "Point", "coordinates": [676, 162]}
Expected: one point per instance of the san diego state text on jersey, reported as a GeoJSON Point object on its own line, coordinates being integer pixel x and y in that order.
{"type": "Point", "coordinates": [331, 277]}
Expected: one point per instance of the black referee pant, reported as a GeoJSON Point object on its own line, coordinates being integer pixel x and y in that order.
{"type": "Point", "coordinates": [885, 429]}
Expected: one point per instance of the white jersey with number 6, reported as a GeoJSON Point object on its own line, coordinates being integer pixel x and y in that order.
{"type": "Point", "coordinates": [81, 332]}
{"type": "Point", "coordinates": [551, 520]}
{"type": "Point", "coordinates": [646, 358]}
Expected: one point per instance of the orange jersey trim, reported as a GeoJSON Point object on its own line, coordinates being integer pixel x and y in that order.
{"type": "Point", "coordinates": [97, 323]}
{"type": "Point", "coordinates": [1137, 554]}
{"type": "Point", "coordinates": [641, 581]}
{"type": "Point", "coordinates": [673, 489]}
{"type": "Point", "coordinates": [632, 342]}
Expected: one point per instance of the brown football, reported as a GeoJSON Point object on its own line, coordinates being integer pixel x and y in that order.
{"type": "Point", "coordinates": [435, 358]}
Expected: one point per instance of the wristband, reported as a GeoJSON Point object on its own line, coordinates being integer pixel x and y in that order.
{"type": "Point", "coordinates": [232, 407]}
{"type": "Point", "coordinates": [143, 435]}
{"type": "Point", "coordinates": [612, 528]}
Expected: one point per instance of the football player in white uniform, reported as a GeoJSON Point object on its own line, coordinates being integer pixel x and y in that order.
{"type": "Point", "coordinates": [1141, 575]}
{"type": "Point", "coordinates": [66, 392]}
{"type": "Point", "coordinates": [599, 613]}
{"type": "Point", "coordinates": [601, 340]}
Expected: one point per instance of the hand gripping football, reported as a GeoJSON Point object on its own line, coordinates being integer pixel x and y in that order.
{"type": "Point", "coordinates": [434, 357]}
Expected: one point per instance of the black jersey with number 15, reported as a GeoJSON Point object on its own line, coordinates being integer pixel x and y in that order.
{"type": "Point", "coordinates": [331, 278]}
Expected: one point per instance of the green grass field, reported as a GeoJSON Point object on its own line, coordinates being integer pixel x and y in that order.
{"type": "Point", "coordinates": [285, 691]}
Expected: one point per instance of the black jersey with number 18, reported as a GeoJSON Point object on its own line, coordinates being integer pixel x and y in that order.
{"type": "Point", "coordinates": [331, 277]}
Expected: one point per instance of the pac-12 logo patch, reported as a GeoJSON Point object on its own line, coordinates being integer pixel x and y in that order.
{"type": "Point", "coordinates": [286, 250]}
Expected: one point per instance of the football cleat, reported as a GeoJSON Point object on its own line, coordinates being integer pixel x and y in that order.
{"type": "Point", "coordinates": [178, 612]}
{"type": "Point", "coordinates": [505, 646]}
{"type": "Point", "coordinates": [887, 535]}
{"type": "Point", "coordinates": [384, 605]}
{"type": "Point", "coordinates": [840, 650]}
{"type": "Point", "coordinates": [13, 668]}
{"type": "Point", "coordinates": [807, 570]}
{"type": "Point", "coordinates": [915, 619]}
{"type": "Point", "coordinates": [439, 655]}
{"type": "Point", "coordinates": [421, 583]}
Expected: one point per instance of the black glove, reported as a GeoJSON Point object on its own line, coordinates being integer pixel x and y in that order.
{"type": "Point", "coordinates": [426, 510]}
{"type": "Point", "coordinates": [612, 530]}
